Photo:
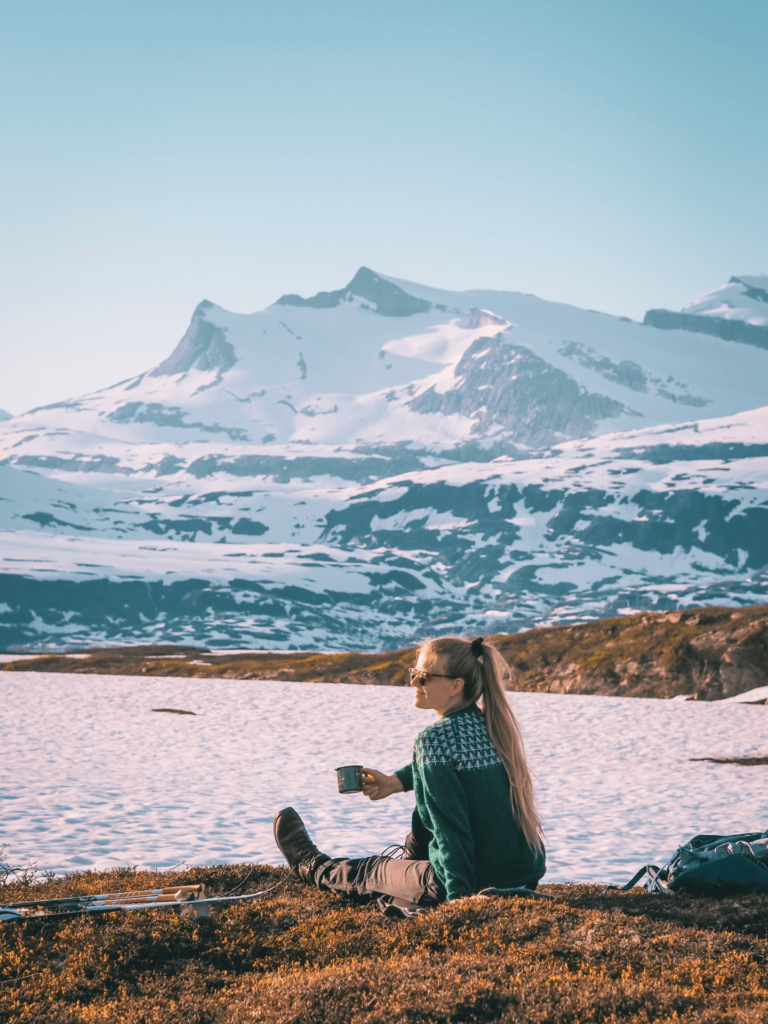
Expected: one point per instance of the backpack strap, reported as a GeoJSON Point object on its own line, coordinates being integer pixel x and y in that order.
{"type": "Point", "coordinates": [654, 884]}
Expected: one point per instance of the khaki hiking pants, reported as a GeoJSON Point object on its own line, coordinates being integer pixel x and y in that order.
{"type": "Point", "coordinates": [402, 887]}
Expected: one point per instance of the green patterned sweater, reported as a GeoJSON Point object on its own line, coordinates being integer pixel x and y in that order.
{"type": "Point", "coordinates": [462, 796]}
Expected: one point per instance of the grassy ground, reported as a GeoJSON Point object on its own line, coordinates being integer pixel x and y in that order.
{"type": "Point", "coordinates": [303, 956]}
{"type": "Point", "coordinates": [709, 653]}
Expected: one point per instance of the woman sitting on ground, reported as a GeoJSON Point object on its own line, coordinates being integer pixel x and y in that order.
{"type": "Point", "coordinates": [475, 825]}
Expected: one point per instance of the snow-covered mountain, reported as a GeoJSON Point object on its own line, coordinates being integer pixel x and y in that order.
{"type": "Point", "coordinates": [736, 312]}
{"type": "Point", "coordinates": [743, 298]}
{"type": "Point", "coordinates": [366, 465]}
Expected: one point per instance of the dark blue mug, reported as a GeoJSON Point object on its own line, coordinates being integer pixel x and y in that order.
{"type": "Point", "coordinates": [350, 778]}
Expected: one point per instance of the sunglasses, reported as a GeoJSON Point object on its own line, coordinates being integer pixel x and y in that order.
{"type": "Point", "coordinates": [420, 676]}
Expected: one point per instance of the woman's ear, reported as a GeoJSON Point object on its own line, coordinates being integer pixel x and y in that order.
{"type": "Point", "coordinates": [457, 685]}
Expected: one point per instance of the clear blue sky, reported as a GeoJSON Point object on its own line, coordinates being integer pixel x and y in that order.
{"type": "Point", "coordinates": [610, 154]}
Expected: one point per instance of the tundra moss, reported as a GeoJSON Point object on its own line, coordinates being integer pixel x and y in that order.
{"type": "Point", "coordinates": [302, 956]}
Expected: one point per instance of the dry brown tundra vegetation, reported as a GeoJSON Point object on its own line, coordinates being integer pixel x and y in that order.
{"type": "Point", "coordinates": [709, 653]}
{"type": "Point", "coordinates": [301, 956]}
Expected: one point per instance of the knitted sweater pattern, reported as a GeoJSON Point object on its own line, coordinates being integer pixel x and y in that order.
{"type": "Point", "coordinates": [461, 741]}
{"type": "Point", "coordinates": [462, 796]}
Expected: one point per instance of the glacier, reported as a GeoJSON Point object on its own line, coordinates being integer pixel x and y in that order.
{"type": "Point", "coordinates": [367, 466]}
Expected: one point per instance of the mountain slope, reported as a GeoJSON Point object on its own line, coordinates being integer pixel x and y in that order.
{"type": "Point", "coordinates": [338, 369]}
{"type": "Point", "coordinates": [364, 466]}
{"type": "Point", "coordinates": [658, 519]}
{"type": "Point", "coordinates": [736, 312]}
{"type": "Point", "coordinates": [743, 298]}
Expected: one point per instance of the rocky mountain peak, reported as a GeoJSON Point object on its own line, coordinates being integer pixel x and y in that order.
{"type": "Point", "coordinates": [385, 298]}
{"type": "Point", "coordinates": [755, 288]}
{"type": "Point", "coordinates": [202, 308]}
{"type": "Point", "coordinates": [481, 318]}
{"type": "Point", "coordinates": [203, 347]}
{"type": "Point", "coordinates": [737, 311]}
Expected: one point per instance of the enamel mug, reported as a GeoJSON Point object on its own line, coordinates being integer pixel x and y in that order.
{"type": "Point", "coordinates": [350, 778]}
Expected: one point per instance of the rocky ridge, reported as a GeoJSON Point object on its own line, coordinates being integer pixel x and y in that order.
{"type": "Point", "coordinates": [709, 654]}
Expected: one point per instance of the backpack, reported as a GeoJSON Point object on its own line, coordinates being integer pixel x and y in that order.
{"type": "Point", "coordinates": [712, 866]}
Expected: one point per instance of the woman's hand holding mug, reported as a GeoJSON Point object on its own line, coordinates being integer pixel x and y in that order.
{"type": "Point", "coordinates": [377, 785]}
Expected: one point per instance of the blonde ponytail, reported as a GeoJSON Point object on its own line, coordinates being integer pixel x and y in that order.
{"type": "Point", "coordinates": [484, 670]}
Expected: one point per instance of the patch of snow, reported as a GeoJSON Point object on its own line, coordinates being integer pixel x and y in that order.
{"type": "Point", "coordinates": [749, 697]}
{"type": "Point", "coordinates": [90, 778]}
{"type": "Point", "coordinates": [445, 343]}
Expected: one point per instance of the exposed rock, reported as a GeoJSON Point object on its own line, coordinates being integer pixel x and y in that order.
{"type": "Point", "coordinates": [170, 416]}
{"type": "Point", "coordinates": [388, 299]}
{"type": "Point", "coordinates": [481, 318]}
{"type": "Point", "coordinates": [709, 653]}
{"type": "Point", "coordinates": [626, 373]}
{"type": "Point", "coordinates": [505, 384]}
{"type": "Point", "coordinates": [203, 347]}
{"type": "Point", "coordinates": [729, 330]}
{"type": "Point", "coordinates": [752, 291]}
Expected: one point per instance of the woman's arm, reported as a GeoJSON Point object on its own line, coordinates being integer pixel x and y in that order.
{"type": "Point", "coordinates": [377, 785]}
{"type": "Point", "coordinates": [406, 776]}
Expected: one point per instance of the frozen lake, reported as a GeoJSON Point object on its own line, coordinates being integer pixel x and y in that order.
{"type": "Point", "coordinates": [90, 777]}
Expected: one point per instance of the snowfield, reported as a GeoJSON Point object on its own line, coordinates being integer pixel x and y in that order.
{"type": "Point", "coordinates": [90, 777]}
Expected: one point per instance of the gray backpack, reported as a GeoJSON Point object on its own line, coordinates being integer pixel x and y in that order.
{"type": "Point", "coordinates": [711, 865]}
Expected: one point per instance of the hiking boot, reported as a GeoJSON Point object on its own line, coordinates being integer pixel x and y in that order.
{"type": "Point", "coordinates": [295, 844]}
